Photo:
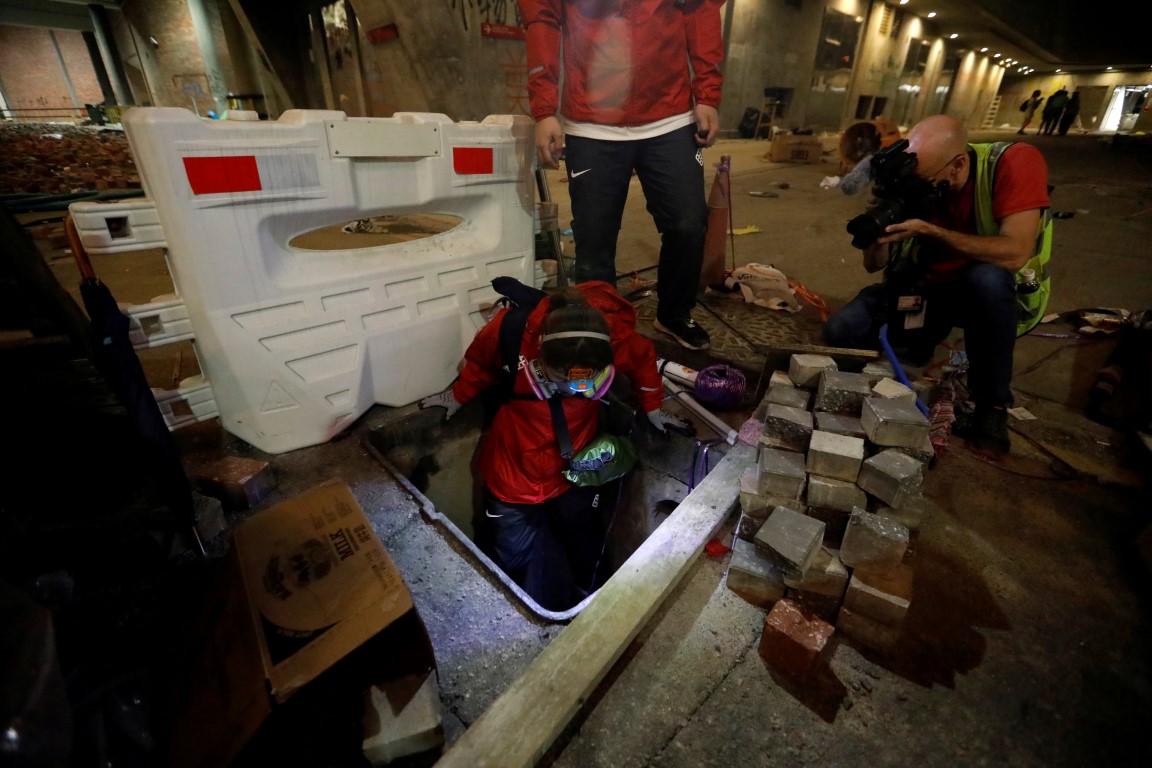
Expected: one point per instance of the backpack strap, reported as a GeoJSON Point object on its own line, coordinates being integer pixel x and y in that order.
{"type": "Point", "coordinates": [560, 427]}
{"type": "Point", "coordinates": [521, 300]}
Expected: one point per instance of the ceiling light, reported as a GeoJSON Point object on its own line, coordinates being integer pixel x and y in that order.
{"type": "Point", "coordinates": [1059, 70]}
{"type": "Point", "coordinates": [984, 49]}
{"type": "Point", "coordinates": [995, 55]}
{"type": "Point", "coordinates": [932, 14]}
{"type": "Point", "coordinates": [1108, 67]}
{"type": "Point", "coordinates": [953, 36]}
{"type": "Point", "coordinates": [903, 2]}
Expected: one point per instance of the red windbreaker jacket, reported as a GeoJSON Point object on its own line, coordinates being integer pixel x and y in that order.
{"type": "Point", "coordinates": [626, 61]}
{"type": "Point", "coordinates": [520, 461]}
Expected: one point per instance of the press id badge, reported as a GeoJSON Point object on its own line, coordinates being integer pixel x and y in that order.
{"type": "Point", "coordinates": [913, 318]}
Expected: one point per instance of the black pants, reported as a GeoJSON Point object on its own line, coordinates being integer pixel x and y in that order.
{"type": "Point", "coordinates": [552, 549]}
{"type": "Point", "coordinates": [982, 301]}
{"type": "Point", "coordinates": [671, 173]}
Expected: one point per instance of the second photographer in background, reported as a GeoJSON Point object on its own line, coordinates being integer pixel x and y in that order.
{"type": "Point", "coordinates": [953, 225]}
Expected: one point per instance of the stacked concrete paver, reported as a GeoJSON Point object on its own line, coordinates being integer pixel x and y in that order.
{"type": "Point", "coordinates": [830, 510]}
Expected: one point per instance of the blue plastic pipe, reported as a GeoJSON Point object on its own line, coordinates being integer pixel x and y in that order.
{"type": "Point", "coordinates": [900, 375]}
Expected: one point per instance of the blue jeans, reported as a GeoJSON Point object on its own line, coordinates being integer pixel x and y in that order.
{"type": "Point", "coordinates": [672, 178]}
{"type": "Point", "coordinates": [982, 301]}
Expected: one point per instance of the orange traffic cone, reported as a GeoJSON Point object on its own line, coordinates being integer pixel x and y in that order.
{"type": "Point", "coordinates": [712, 273]}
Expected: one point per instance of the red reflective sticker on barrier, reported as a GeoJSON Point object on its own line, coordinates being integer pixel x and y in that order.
{"type": "Point", "coordinates": [469, 161]}
{"type": "Point", "coordinates": [212, 175]}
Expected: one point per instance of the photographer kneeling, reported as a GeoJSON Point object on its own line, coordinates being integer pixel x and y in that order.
{"type": "Point", "coordinates": [954, 224]}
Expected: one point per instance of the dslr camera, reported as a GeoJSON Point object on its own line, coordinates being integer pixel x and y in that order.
{"type": "Point", "coordinates": [900, 193]}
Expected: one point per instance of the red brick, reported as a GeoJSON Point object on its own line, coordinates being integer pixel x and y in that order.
{"type": "Point", "coordinates": [239, 483]}
{"type": "Point", "coordinates": [793, 639]}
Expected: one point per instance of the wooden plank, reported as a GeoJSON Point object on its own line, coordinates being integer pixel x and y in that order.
{"type": "Point", "coordinates": [524, 721]}
{"type": "Point", "coordinates": [816, 349]}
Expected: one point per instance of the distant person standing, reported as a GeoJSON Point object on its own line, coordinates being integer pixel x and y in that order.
{"type": "Point", "coordinates": [1053, 110]}
{"type": "Point", "coordinates": [1029, 109]}
{"type": "Point", "coordinates": [617, 87]}
{"type": "Point", "coordinates": [1071, 112]}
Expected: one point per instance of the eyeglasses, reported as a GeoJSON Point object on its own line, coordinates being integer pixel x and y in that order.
{"type": "Point", "coordinates": [933, 176]}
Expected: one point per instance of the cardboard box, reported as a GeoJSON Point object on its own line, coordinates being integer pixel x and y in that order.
{"type": "Point", "coordinates": [310, 612]}
{"type": "Point", "coordinates": [795, 149]}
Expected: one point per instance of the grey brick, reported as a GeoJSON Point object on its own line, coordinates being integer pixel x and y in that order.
{"type": "Point", "coordinates": [893, 422]}
{"type": "Point", "coordinates": [786, 427]}
{"type": "Point", "coordinates": [838, 424]}
{"type": "Point", "coordinates": [867, 632]}
{"type": "Point", "coordinates": [789, 395]}
{"type": "Point", "coordinates": [804, 370]}
{"type": "Point", "coordinates": [881, 596]}
{"type": "Point", "coordinates": [874, 542]}
{"type": "Point", "coordinates": [841, 392]}
{"type": "Point", "coordinates": [790, 540]}
{"type": "Point", "coordinates": [782, 473]}
{"type": "Point", "coordinates": [753, 576]}
{"type": "Point", "coordinates": [830, 493]}
{"type": "Point", "coordinates": [835, 456]}
{"type": "Point", "coordinates": [891, 476]}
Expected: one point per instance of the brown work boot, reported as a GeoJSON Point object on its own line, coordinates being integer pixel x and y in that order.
{"type": "Point", "coordinates": [985, 430]}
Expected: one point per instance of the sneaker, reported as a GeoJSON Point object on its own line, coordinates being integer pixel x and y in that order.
{"type": "Point", "coordinates": [985, 430]}
{"type": "Point", "coordinates": [686, 332]}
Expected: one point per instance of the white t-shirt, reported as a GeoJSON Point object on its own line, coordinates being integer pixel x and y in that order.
{"type": "Point", "coordinates": [626, 132]}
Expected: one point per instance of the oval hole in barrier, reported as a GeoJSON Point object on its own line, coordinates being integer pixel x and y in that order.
{"type": "Point", "coordinates": [375, 231]}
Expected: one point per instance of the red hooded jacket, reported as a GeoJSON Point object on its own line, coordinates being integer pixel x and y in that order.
{"type": "Point", "coordinates": [520, 461]}
{"type": "Point", "coordinates": [625, 61]}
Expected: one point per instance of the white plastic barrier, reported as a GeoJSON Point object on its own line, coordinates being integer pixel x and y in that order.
{"type": "Point", "coordinates": [298, 343]}
{"type": "Point", "coordinates": [115, 227]}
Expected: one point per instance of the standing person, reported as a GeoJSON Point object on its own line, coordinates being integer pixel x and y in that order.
{"type": "Point", "coordinates": [1029, 108]}
{"type": "Point", "coordinates": [957, 268]}
{"type": "Point", "coordinates": [641, 91]}
{"type": "Point", "coordinates": [1071, 112]}
{"type": "Point", "coordinates": [1053, 110]}
{"type": "Point", "coordinates": [545, 532]}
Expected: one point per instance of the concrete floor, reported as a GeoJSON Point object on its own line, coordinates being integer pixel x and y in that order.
{"type": "Point", "coordinates": [1028, 639]}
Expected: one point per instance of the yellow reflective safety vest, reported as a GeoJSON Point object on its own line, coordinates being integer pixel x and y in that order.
{"type": "Point", "coordinates": [902, 255]}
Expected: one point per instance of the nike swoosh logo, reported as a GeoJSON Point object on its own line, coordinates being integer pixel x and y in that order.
{"type": "Point", "coordinates": [580, 173]}
{"type": "Point", "coordinates": [494, 517]}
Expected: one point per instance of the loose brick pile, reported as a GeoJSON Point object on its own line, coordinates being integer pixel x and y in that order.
{"type": "Point", "coordinates": [54, 158]}
{"type": "Point", "coordinates": [830, 510]}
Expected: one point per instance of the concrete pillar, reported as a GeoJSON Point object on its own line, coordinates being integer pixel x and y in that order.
{"type": "Point", "coordinates": [113, 65]}
{"type": "Point", "coordinates": [98, 65]}
{"type": "Point", "coordinates": [199, 11]}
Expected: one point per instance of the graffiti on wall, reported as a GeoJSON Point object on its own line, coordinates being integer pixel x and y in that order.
{"type": "Point", "coordinates": [515, 68]}
{"type": "Point", "coordinates": [491, 12]}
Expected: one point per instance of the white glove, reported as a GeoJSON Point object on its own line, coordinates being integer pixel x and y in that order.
{"type": "Point", "coordinates": [663, 422]}
{"type": "Point", "coordinates": [445, 400]}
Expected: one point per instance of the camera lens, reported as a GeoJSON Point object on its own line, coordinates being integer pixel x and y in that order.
{"type": "Point", "coordinates": [870, 225]}
{"type": "Point", "coordinates": [864, 230]}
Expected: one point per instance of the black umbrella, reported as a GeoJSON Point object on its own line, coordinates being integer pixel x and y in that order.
{"type": "Point", "coordinates": [116, 360]}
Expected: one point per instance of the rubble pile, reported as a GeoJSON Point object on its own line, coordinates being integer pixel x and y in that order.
{"type": "Point", "coordinates": [54, 158]}
{"type": "Point", "coordinates": [831, 509]}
